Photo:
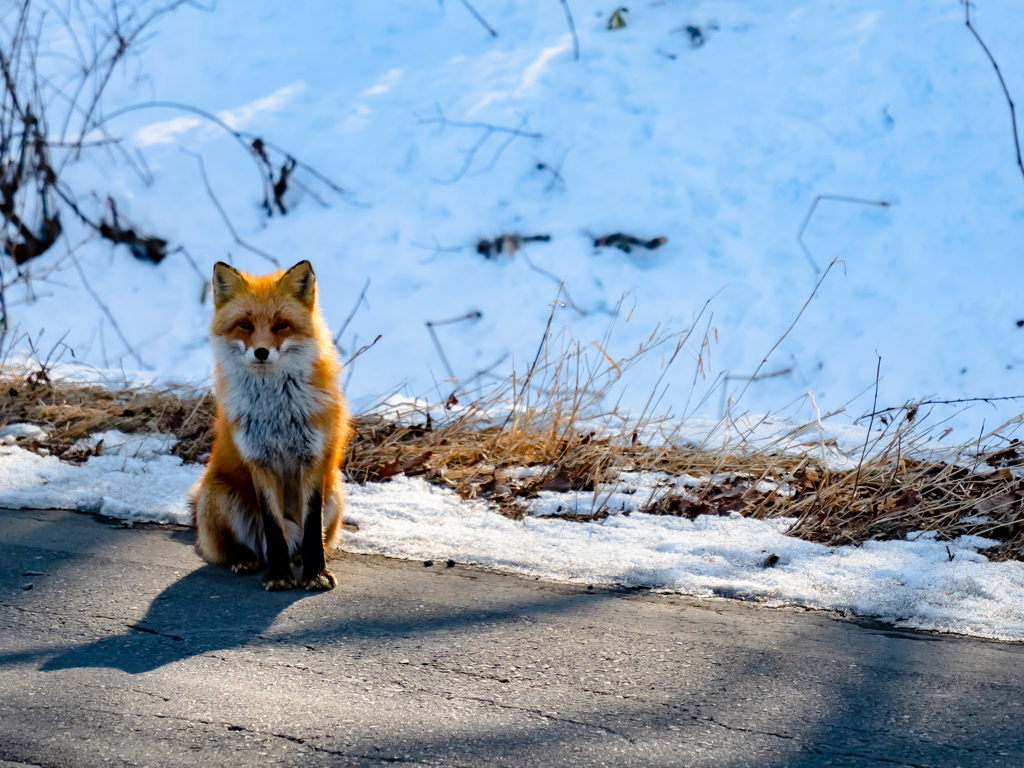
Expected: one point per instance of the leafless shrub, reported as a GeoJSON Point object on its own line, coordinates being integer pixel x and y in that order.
{"type": "Point", "coordinates": [57, 61]}
{"type": "Point", "coordinates": [49, 117]}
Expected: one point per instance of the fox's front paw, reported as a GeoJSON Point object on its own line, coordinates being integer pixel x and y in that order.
{"type": "Point", "coordinates": [320, 581]}
{"type": "Point", "coordinates": [278, 581]}
{"type": "Point", "coordinates": [245, 567]}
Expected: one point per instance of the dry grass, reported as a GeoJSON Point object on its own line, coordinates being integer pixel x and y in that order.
{"type": "Point", "coordinates": [552, 418]}
{"type": "Point", "coordinates": [890, 496]}
{"type": "Point", "coordinates": [70, 410]}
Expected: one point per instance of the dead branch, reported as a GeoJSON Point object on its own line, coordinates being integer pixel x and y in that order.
{"type": "Point", "coordinates": [4, 328]}
{"type": "Point", "coordinates": [557, 281]}
{"type": "Point", "coordinates": [913, 406]}
{"type": "Point", "coordinates": [572, 31]}
{"type": "Point", "coordinates": [479, 18]}
{"type": "Point", "coordinates": [556, 173]}
{"type": "Point", "coordinates": [814, 207]}
{"type": "Point", "coordinates": [355, 308]}
{"type": "Point", "coordinates": [32, 195]}
{"type": "Point", "coordinates": [487, 130]}
{"type": "Point", "coordinates": [498, 152]}
{"type": "Point", "coordinates": [223, 213]}
{"type": "Point", "coordinates": [438, 249]}
{"type": "Point", "coordinates": [431, 324]}
{"type": "Point", "coordinates": [791, 327]}
{"type": "Point", "coordinates": [626, 243]}
{"type": "Point", "coordinates": [341, 192]}
{"type": "Point", "coordinates": [1002, 82]}
{"type": "Point", "coordinates": [106, 311]}
{"type": "Point", "coordinates": [867, 437]}
{"type": "Point", "coordinates": [143, 248]}
{"type": "Point", "coordinates": [364, 348]}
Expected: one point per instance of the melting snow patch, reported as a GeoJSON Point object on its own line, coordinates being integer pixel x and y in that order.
{"type": "Point", "coordinates": [133, 479]}
{"type": "Point", "coordinates": [911, 583]}
{"type": "Point", "coordinates": [136, 446]}
{"type": "Point", "coordinates": [10, 433]}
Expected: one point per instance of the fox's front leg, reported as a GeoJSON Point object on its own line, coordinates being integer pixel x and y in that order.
{"type": "Point", "coordinates": [270, 491]}
{"type": "Point", "coordinates": [315, 576]}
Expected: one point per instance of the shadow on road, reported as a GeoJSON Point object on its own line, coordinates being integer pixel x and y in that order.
{"type": "Point", "coordinates": [211, 609]}
{"type": "Point", "coordinates": [201, 612]}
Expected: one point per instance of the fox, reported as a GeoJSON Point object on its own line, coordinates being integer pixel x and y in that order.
{"type": "Point", "coordinates": [272, 492]}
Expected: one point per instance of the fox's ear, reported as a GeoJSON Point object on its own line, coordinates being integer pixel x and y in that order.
{"type": "Point", "coordinates": [226, 282]}
{"type": "Point", "coordinates": [300, 282]}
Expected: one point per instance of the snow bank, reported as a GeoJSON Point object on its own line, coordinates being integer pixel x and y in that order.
{"type": "Point", "coordinates": [912, 583]}
{"type": "Point", "coordinates": [134, 479]}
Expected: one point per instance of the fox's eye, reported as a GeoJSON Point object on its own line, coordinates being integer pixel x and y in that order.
{"type": "Point", "coordinates": [245, 326]}
{"type": "Point", "coordinates": [280, 327]}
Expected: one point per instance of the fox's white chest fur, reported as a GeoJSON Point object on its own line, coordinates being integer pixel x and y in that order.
{"type": "Point", "coordinates": [272, 409]}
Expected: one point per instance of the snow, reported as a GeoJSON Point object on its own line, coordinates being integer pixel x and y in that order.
{"type": "Point", "coordinates": [10, 433]}
{"type": "Point", "coordinates": [912, 583]}
{"type": "Point", "coordinates": [721, 148]}
{"type": "Point", "coordinates": [134, 479]}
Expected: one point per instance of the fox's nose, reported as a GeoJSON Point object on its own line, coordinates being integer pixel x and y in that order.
{"type": "Point", "coordinates": [261, 353]}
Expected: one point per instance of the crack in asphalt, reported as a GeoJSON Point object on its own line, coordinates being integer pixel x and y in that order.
{"type": "Point", "coordinates": [96, 687]}
{"type": "Point", "coordinates": [465, 672]}
{"type": "Point", "coordinates": [64, 614]}
{"type": "Point", "coordinates": [148, 631]}
{"type": "Point", "coordinates": [549, 715]}
{"type": "Point", "coordinates": [241, 728]}
{"type": "Point", "coordinates": [788, 737]}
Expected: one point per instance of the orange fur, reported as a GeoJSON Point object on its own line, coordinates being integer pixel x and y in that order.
{"type": "Point", "coordinates": [281, 430]}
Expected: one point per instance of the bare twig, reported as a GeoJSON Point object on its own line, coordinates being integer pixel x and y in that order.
{"type": "Point", "coordinates": [726, 378]}
{"type": "Point", "coordinates": [572, 30]}
{"type": "Point", "coordinates": [223, 213]}
{"type": "Point", "coordinates": [3, 308]}
{"type": "Point", "coordinates": [559, 282]}
{"type": "Point", "coordinates": [487, 131]}
{"type": "Point", "coordinates": [106, 311]}
{"type": "Point", "coordinates": [556, 173]}
{"type": "Point", "coordinates": [431, 324]}
{"type": "Point", "coordinates": [250, 142]}
{"type": "Point", "coordinates": [1002, 82]}
{"type": "Point", "coordinates": [814, 207]}
{"type": "Point", "coordinates": [364, 348]}
{"type": "Point", "coordinates": [192, 263]}
{"type": "Point", "coordinates": [791, 327]}
{"type": "Point", "coordinates": [355, 308]}
{"type": "Point", "coordinates": [437, 248]}
{"type": "Point", "coordinates": [498, 152]}
{"type": "Point", "coordinates": [440, 350]}
{"type": "Point", "coordinates": [867, 437]}
{"type": "Point", "coordinates": [918, 404]}
{"type": "Point", "coordinates": [479, 18]}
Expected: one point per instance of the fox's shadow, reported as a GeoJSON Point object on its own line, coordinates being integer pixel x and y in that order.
{"type": "Point", "coordinates": [207, 610]}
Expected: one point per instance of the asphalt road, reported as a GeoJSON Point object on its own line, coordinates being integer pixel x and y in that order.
{"type": "Point", "coordinates": [128, 650]}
